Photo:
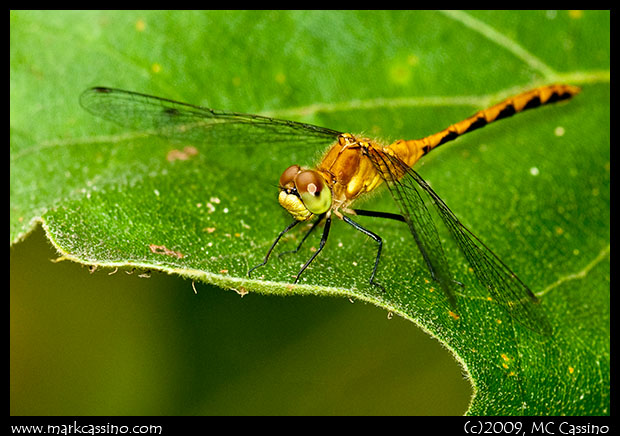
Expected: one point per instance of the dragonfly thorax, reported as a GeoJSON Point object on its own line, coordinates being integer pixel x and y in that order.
{"type": "Point", "coordinates": [304, 193]}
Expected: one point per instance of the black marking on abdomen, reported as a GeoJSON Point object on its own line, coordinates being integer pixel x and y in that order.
{"type": "Point", "coordinates": [535, 102]}
{"type": "Point", "coordinates": [508, 111]}
{"type": "Point", "coordinates": [449, 137]}
{"type": "Point", "coordinates": [558, 97]}
{"type": "Point", "coordinates": [480, 122]}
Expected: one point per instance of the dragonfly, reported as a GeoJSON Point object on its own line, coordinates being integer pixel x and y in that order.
{"type": "Point", "coordinates": [352, 167]}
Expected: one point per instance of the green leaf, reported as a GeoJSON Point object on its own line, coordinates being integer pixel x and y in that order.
{"type": "Point", "coordinates": [534, 188]}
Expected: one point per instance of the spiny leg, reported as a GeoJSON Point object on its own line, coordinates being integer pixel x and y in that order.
{"type": "Point", "coordinates": [328, 222]}
{"type": "Point", "coordinates": [314, 225]}
{"type": "Point", "coordinates": [282, 233]}
{"type": "Point", "coordinates": [376, 238]}
{"type": "Point", "coordinates": [392, 216]}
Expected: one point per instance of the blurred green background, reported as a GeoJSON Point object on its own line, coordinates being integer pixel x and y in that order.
{"type": "Point", "coordinates": [86, 344]}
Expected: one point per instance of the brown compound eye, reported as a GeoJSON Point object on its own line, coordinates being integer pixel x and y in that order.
{"type": "Point", "coordinates": [287, 179]}
{"type": "Point", "coordinates": [314, 192]}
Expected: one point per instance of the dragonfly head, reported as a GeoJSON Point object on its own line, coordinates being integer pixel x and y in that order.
{"type": "Point", "coordinates": [304, 193]}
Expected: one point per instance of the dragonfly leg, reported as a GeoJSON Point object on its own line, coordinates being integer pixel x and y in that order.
{"type": "Point", "coordinates": [282, 233]}
{"type": "Point", "coordinates": [396, 217]}
{"type": "Point", "coordinates": [392, 216]}
{"type": "Point", "coordinates": [376, 238]}
{"type": "Point", "coordinates": [328, 222]}
{"type": "Point", "coordinates": [316, 223]}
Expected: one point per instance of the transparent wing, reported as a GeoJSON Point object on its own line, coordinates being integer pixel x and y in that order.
{"type": "Point", "coordinates": [503, 285]}
{"type": "Point", "coordinates": [418, 218]}
{"type": "Point", "coordinates": [182, 121]}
